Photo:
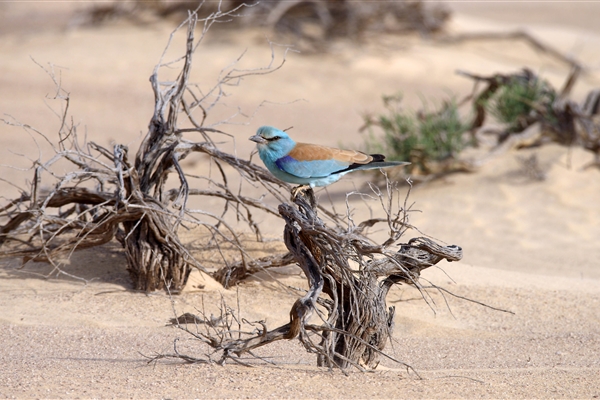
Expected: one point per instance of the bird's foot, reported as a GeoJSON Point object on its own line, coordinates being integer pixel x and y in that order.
{"type": "Point", "coordinates": [305, 191]}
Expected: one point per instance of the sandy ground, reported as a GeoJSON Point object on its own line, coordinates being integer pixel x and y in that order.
{"type": "Point", "coordinates": [529, 247]}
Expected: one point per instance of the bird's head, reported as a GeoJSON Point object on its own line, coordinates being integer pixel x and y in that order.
{"type": "Point", "coordinates": [272, 142]}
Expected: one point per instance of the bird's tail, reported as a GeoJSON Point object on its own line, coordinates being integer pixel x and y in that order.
{"type": "Point", "coordinates": [380, 164]}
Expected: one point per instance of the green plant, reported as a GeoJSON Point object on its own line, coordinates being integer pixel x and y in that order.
{"type": "Point", "coordinates": [418, 137]}
{"type": "Point", "coordinates": [521, 101]}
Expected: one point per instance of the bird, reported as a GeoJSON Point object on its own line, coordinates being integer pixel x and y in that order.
{"type": "Point", "coordinates": [311, 165]}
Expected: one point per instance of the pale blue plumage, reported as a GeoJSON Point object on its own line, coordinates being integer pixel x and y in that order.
{"type": "Point", "coordinates": [310, 169]}
{"type": "Point", "coordinates": [309, 164]}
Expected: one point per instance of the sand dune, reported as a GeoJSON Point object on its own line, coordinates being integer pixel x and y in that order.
{"type": "Point", "coordinates": [529, 247]}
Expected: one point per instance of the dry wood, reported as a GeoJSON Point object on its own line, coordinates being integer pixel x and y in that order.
{"type": "Point", "coordinates": [514, 35]}
{"type": "Point", "coordinates": [339, 18]}
{"type": "Point", "coordinates": [106, 196]}
{"type": "Point", "coordinates": [554, 117]}
{"type": "Point", "coordinates": [353, 273]}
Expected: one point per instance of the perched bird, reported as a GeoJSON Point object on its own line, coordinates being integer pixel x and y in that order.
{"type": "Point", "coordinates": [311, 164]}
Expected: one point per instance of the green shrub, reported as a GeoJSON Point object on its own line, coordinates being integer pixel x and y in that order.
{"type": "Point", "coordinates": [521, 101]}
{"type": "Point", "coordinates": [424, 136]}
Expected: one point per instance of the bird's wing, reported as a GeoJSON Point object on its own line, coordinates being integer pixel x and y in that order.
{"type": "Point", "coordinates": [313, 152]}
{"type": "Point", "coordinates": [314, 161]}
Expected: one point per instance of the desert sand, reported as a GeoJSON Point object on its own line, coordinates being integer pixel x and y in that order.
{"type": "Point", "coordinates": [530, 247]}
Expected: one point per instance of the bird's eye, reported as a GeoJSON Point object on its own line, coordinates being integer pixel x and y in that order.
{"type": "Point", "coordinates": [273, 138]}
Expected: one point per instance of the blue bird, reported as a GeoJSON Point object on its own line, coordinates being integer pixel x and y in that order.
{"type": "Point", "coordinates": [311, 164]}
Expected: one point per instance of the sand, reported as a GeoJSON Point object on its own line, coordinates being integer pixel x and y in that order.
{"type": "Point", "coordinates": [529, 247]}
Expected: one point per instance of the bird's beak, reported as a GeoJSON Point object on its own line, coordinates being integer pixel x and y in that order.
{"type": "Point", "coordinates": [258, 139]}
